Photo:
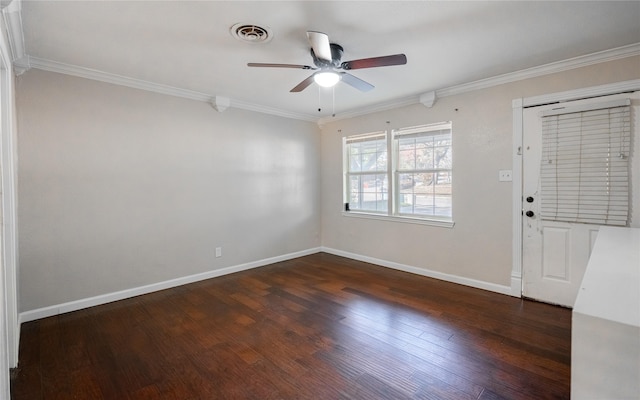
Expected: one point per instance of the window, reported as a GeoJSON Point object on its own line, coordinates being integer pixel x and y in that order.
{"type": "Point", "coordinates": [423, 170]}
{"type": "Point", "coordinates": [367, 173]}
{"type": "Point", "coordinates": [414, 183]}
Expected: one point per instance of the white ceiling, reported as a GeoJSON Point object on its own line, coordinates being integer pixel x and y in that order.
{"type": "Point", "coordinates": [188, 45]}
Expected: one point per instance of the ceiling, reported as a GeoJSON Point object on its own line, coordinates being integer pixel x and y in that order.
{"type": "Point", "coordinates": [189, 45]}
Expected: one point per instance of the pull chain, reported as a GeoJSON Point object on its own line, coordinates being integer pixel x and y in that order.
{"type": "Point", "coordinates": [333, 102]}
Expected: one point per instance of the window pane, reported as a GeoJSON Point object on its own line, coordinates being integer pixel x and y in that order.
{"type": "Point", "coordinates": [368, 156]}
{"type": "Point", "coordinates": [354, 192]}
{"type": "Point", "coordinates": [424, 153]}
{"type": "Point", "coordinates": [442, 194]}
{"type": "Point", "coordinates": [369, 193]}
{"type": "Point", "coordinates": [442, 154]}
{"type": "Point", "coordinates": [355, 160]}
{"type": "Point", "coordinates": [406, 199]}
{"type": "Point", "coordinates": [406, 154]}
{"type": "Point", "coordinates": [425, 193]}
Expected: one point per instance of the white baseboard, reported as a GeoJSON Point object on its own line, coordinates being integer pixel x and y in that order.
{"type": "Point", "coordinates": [492, 287]}
{"type": "Point", "coordinates": [44, 312]}
{"type": "Point", "coordinates": [31, 315]}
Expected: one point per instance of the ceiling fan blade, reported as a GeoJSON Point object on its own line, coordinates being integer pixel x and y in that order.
{"type": "Point", "coordinates": [384, 61]}
{"type": "Point", "coordinates": [302, 85]}
{"type": "Point", "coordinates": [356, 82]}
{"type": "Point", "coordinates": [296, 66]}
{"type": "Point", "coordinates": [320, 44]}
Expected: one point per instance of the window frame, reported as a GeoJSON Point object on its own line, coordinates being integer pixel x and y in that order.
{"type": "Point", "coordinates": [393, 186]}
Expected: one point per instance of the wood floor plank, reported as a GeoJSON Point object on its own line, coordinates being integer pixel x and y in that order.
{"type": "Point", "coordinates": [315, 327]}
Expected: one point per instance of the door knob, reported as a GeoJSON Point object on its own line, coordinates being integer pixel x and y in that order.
{"type": "Point", "coordinates": [529, 199]}
{"type": "Point", "coordinates": [529, 214]}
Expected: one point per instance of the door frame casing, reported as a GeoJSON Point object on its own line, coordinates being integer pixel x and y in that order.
{"type": "Point", "coordinates": [518, 106]}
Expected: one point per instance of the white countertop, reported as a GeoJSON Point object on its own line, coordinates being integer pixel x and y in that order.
{"type": "Point", "coordinates": [611, 285]}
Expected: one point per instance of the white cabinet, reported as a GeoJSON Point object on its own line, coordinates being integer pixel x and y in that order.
{"type": "Point", "coordinates": [605, 335]}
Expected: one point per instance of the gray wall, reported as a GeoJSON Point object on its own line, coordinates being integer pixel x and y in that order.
{"type": "Point", "coordinates": [120, 188]}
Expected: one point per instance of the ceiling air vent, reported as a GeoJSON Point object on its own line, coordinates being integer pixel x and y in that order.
{"type": "Point", "coordinates": [251, 33]}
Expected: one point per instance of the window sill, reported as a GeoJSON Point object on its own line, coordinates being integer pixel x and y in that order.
{"type": "Point", "coordinates": [442, 223]}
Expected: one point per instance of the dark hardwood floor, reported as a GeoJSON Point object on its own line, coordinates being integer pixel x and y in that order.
{"type": "Point", "coordinates": [317, 327]}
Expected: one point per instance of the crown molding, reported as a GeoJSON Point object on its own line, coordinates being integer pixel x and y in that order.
{"type": "Point", "coordinates": [270, 110]}
{"type": "Point", "coordinates": [26, 62]}
{"type": "Point", "coordinates": [547, 69]}
{"type": "Point", "coordinates": [88, 73]}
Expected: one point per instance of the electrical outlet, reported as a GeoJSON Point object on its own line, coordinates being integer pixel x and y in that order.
{"type": "Point", "coordinates": [218, 251]}
{"type": "Point", "coordinates": [505, 175]}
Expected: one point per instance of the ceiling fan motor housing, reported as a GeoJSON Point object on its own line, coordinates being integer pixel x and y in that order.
{"type": "Point", "coordinates": [336, 57]}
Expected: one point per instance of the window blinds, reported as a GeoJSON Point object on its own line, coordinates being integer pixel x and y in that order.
{"type": "Point", "coordinates": [369, 137]}
{"type": "Point", "coordinates": [443, 128]}
{"type": "Point", "coordinates": [584, 172]}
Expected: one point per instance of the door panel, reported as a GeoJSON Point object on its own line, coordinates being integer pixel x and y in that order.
{"type": "Point", "coordinates": [556, 253]}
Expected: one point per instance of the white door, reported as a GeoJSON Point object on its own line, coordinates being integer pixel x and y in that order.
{"type": "Point", "coordinates": [554, 254]}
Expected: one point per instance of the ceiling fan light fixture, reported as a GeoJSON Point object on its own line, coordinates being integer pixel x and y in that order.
{"type": "Point", "coordinates": [326, 78]}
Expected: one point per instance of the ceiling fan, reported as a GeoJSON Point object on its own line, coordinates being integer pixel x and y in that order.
{"type": "Point", "coordinates": [330, 69]}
